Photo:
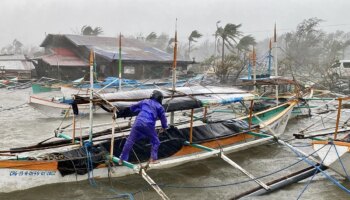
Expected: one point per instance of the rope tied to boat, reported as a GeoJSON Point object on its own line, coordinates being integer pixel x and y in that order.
{"type": "Point", "coordinates": [88, 146]}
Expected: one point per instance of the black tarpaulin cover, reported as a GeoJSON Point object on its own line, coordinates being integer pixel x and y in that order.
{"type": "Point", "coordinates": [75, 161]}
{"type": "Point", "coordinates": [171, 142]}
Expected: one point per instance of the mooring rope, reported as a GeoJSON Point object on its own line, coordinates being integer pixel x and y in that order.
{"type": "Point", "coordinates": [333, 180]}
{"type": "Point", "coordinates": [341, 163]}
{"type": "Point", "coordinates": [309, 182]}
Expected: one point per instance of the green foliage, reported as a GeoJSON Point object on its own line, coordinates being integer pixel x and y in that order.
{"type": "Point", "coordinates": [309, 51]}
{"type": "Point", "coordinates": [233, 63]}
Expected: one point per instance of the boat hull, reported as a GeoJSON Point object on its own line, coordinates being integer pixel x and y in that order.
{"type": "Point", "coordinates": [51, 108]}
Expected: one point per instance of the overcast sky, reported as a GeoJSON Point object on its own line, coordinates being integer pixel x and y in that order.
{"type": "Point", "coordinates": [29, 20]}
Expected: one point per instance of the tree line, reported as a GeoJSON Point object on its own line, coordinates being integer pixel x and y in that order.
{"type": "Point", "coordinates": [306, 52]}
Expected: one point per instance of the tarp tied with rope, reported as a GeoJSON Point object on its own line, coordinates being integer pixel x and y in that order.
{"type": "Point", "coordinates": [182, 99]}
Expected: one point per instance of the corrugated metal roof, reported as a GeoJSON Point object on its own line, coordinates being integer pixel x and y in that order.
{"type": "Point", "coordinates": [15, 62]}
{"type": "Point", "coordinates": [132, 49]}
{"type": "Point", "coordinates": [7, 57]}
{"type": "Point", "coordinates": [64, 57]}
{"type": "Point", "coordinates": [64, 60]}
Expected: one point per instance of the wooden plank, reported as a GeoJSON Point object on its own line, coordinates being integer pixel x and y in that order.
{"type": "Point", "coordinates": [185, 150]}
{"type": "Point", "coordinates": [29, 165]}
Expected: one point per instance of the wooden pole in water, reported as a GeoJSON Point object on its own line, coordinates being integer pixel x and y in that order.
{"type": "Point", "coordinates": [191, 125]}
{"type": "Point", "coordinates": [338, 118]}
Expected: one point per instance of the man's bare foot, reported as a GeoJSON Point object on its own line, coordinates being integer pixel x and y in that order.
{"type": "Point", "coordinates": [120, 162]}
{"type": "Point", "coordinates": [151, 161]}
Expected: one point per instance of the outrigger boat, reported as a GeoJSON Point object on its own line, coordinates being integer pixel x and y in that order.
{"type": "Point", "coordinates": [62, 161]}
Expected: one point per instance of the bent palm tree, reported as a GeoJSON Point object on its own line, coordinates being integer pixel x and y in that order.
{"type": "Point", "coordinates": [245, 42]}
{"type": "Point", "coordinates": [229, 35]}
{"type": "Point", "coordinates": [192, 38]}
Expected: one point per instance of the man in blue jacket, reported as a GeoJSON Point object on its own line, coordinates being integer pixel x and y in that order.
{"type": "Point", "coordinates": [144, 126]}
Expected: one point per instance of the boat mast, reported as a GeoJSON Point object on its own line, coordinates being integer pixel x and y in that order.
{"type": "Point", "coordinates": [254, 68]}
{"type": "Point", "coordinates": [270, 58]}
{"type": "Point", "coordinates": [91, 88]}
{"type": "Point", "coordinates": [120, 61]}
{"type": "Point", "coordinates": [275, 62]}
{"type": "Point", "coordinates": [174, 72]}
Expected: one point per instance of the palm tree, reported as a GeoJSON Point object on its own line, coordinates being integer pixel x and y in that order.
{"type": "Point", "coordinates": [88, 30]}
{"type": "Point", "coordinates": [229, 35]}
{"type": "Point", "coordinates": [192, 38]}
{"type": "Point", "coordinates": [245, 43]}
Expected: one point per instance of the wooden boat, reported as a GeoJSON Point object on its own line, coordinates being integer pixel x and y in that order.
{"type": "Point", "coordinates": [56, 108]}
{"type": "Point", "coordinates": [42, 164]}
{"type": "Point", "coordinates": [39, 88]}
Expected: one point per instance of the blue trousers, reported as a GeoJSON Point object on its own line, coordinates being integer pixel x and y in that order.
{"type": "Point", "coordinates": [138, 132]}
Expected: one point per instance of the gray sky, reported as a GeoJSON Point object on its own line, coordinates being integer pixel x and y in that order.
{"type": "Point", "coordinates": [29, 20]}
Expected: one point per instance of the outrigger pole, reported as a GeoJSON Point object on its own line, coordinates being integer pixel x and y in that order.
{"type": "Point", "coordinates": [141, 171]}
{"type": "Point", "coordinates": [231, 162]}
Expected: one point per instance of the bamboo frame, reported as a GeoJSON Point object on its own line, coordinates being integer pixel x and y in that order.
{"type": "Point", "coordinates": [338, 118]}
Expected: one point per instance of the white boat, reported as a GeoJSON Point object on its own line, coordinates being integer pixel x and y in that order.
{"type": "Point", "coordinates": [56, 109]}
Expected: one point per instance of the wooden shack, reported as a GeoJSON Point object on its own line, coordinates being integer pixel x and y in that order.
{"type": "Point", "coordinates": [66, 57]}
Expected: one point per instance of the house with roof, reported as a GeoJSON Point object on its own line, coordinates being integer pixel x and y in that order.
{"type": "Point", "coordinates": [15, 65]}
{"type": "Point", "coordinates": [66, 58]}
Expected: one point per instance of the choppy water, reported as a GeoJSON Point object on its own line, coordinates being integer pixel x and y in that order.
{"type": "Point", "coordinates": [23, 126]}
